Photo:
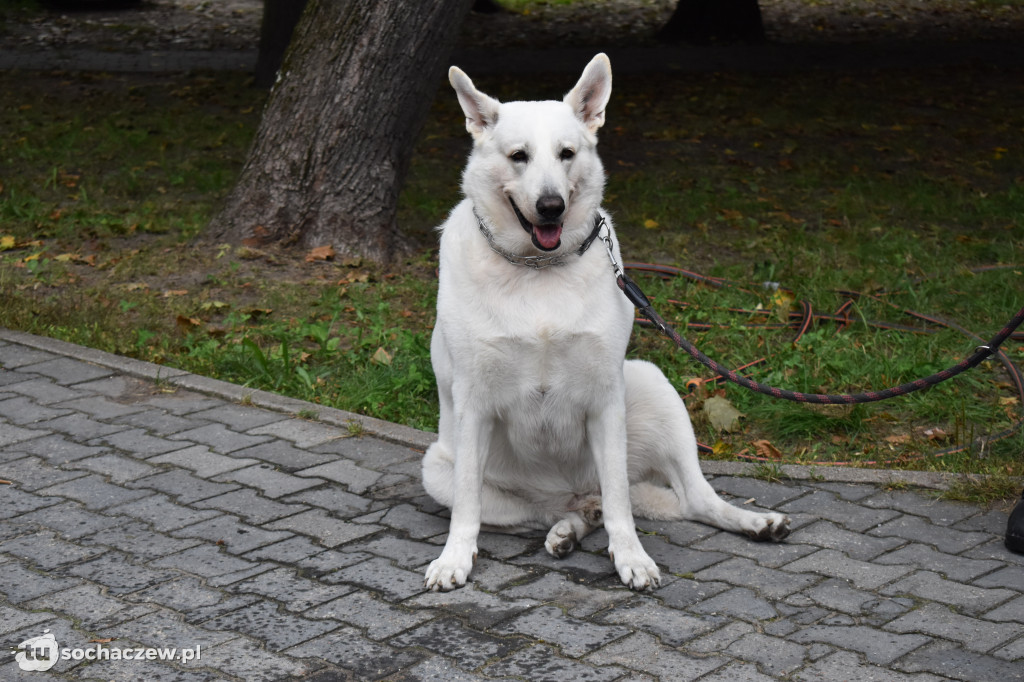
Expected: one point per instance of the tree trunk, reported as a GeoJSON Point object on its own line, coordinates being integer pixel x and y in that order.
{"type": "Point", "coordinates": [279, 20]}
{"type": "Point", "coordinates": [338, 130]}
{"type": "Point", "coordinates": [704, 21]}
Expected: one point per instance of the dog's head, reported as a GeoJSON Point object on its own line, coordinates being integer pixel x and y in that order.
{"type": "Point", "coordinates": [534, 164]}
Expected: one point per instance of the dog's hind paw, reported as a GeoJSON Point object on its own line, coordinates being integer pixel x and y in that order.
{"type": "Point", "coordinates": [561, 540]}
{"type": "Point", "coordinates": [770, 527]}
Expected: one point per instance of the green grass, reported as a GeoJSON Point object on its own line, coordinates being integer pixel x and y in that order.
{"type": "Point", "coordinates": [896, 185]}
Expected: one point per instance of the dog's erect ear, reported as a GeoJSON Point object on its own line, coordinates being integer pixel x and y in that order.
{"type": "Point", "coordinates": [481, 111]}
{"type": "Point", "coordinates": [590, 96]}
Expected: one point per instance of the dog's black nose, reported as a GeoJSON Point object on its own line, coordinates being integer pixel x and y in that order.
{"type": "Point", "coordinates": [550, 207]}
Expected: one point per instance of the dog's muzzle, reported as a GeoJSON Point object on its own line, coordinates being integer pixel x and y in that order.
{"type": "Point", "coordinates": [546, 236]}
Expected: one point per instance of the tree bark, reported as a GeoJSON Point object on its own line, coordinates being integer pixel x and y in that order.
{"type": "Point", "coordinates": [338, 130]}
{"type": "Point", "coordinates": [704, 21]}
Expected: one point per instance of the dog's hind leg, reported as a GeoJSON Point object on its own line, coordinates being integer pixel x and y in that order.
{"type": "Point", "coordinates": [662, 440]}
{"type": "Point", "coordinates": [574, 526]}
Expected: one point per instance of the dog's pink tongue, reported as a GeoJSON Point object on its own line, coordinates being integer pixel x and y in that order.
{"type": "Point", "coordinates": [548, 235]}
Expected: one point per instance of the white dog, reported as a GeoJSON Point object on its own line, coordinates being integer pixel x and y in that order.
{"type": "Point", "coordinates": [543, 421]}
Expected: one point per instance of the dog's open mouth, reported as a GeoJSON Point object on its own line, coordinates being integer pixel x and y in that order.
{"type": "Point", "coordinates": [547, 237]}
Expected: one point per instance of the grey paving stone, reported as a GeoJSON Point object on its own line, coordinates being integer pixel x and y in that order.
{"type": "Point", "coordinates": [32, 473]}
{"type": "Point", "coordinates": [284, 455]}
{"type": "Point", "coordinates": [355, 478]}
{"type": "Point", "coordinates": [119, 574]}
{"type": "Point", "coordinates": [1014, 651]}
{"type": "Point", "coordinates": [283, 585]}
{"type": "Point", "coordinates": [642, 652]}
{"type": "Point", "coordinates": [493, 576]}
{"type": "Point", "coordinates": [244, 659]}
{"type": "Point", "coordinates": [189, 596]}
{"type": "Point", "coordinates": [18, 502]}
{"type": "Point", "coordinates": [14, 356]}
{"type": "Point", "coordinates": [880, 648]}
{"type": "Point", "coordinates": [379, 575]}
{"type": "Point", "coordinates": [90, 608]}
{"type": "Point", "coordinates": [937, 620]}
{"type": "Point", "coordinates": [332, 498]}
{"type": "Point", "coordinates": [952, 566]}
{"type": "Point", "coordinates": [94, 493]}
{"type": "Point", "coordinates": [856, 545]}
{"type": "Point", "coordinates": [766, 493]}
{"type": "Point", "coordinates": [326, 562]}
{"type": "Point", "coordinates": [478, 608]}
{"type": "Point", "coordinates": [45, 391]}
{"type": "Point", "coordinates": [966, 598]}
{"type": "Point", "coordinates": [862, 574]}
{"type": "Point", "coordinates": [847, 666]}
{"type": "Point", "coordinates": [289, 551]}
{"type": "Point", "coordinates": [684, 592]}
{"type": "Point", "coordinates": [100, 407]}
{"type": "Point", "coordinates": [682, 533]}
{"type": "Point", "coordinates": [207, 561]}
{"type": "Point", "coordinates": [163, 629]}
{"type": "Point", "coordinates": [738, 672]}
{"type": "Point", "coordinates": [159, 422]}
{"type": "Point", "coordinates": [138, 539]}
{"type": "Point", "coordinates": [138, 443]}
{"type": "Point", "coordinates": [541, 663]}
{"type": "Point", "coordinates": [66, 635]}
{"type": "Point", "coordinates": [12, 620]}
{"type": "Point", "coordinates": [771, 583]}
{"type": "Point", "coordinates": [939, 512]}
{"type": "Point", "coordinates": [379, 620]}
{"type": "Point", "coordinates": [322, 527]}
{"type": "Point", "coordinates": [579, 600]}
{"type": "Point", "coordinates": [16, 434]}
{"type": "Point", "coordinates": [950, 661]}
{"type": "Point", "coordinates": [80, 427]}
{"type": "Point", "coordinates": [271, 483]}
{"type": "Point", "coordinates": [579, 566]}
{"type": "Point", "coordinates": [503, 546]}
{"type": "Point", "coordinates": [575, 637]}
{"type": "Point", "coordinates": [117, 468]}
{"type": "Point", "coordinates": [69, 520]}
{"type": "Point", "coordinates": [371, 452]}
{"type": "Point", "coordinates": [774, 655]}
{"type": "Point", "coordinates": [405, 553]}
{"type": "Point", "coordinates": [828, 506]}
{"type": "Point", "coordinates": [219, 438]}
{"type": "Point", "coordinates": [202, 461]}
{"type": "Point", "coordinates": [184, 487]}
{"type": "Point", "coordinates": [229, 532]}
{"type": "Point", "coordinates": [46, 551]}
{"type": "Point", "coordinates": [24, 412]}
{"type": "Point", "coordinates": [58, 449]}
{"type": "Point", "coordinates": [251, 506]}
{"type": "Point", "coordinates": [921, 530]}
{"type": "Point", "coordinates": [20, 583]}
{"type": "Point", "coordinates": [992, 522]}
{"type": "Point", "coordinates": [672, 626]}
{"type": "Point", "coordinates": [770, 554]}
{"type": "Point", "coordinates": [1010, 577]}
{"type": "Point", "coordinates": [1011, 610]}
{"type": "Point", "coordinates": [838, 595]}
{"type": "Point", "coordinates": [677, 560]}
{"type": "Point", "coordinates": [67, 371]}
{"type": "Point", "coordinates": [740, 603]}
{"type": "Point", "coordinates": [161, 513]}
{"type": "Point", "coordinates": [266, 622]}
{"type": "Point", "coordinates": [182, 402]}
{"type": "Point", "coordinates": [471, 649]}
{"type": "Point", "coordinates": [238, 417]}
{"type": "Point", "coordinates": [364, 659]}
{"type": "Point", "coordinates": [304, 434]}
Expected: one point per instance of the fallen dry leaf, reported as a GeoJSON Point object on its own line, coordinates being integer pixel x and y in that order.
{"type": "Point", "coordinates": [766, 449]}
{"type": "Point", "coordinates": [381, 357]}
{"type": "Point", "coordinates": [320, 253]}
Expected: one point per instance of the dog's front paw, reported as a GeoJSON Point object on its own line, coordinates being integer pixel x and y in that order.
{"type": "Point", "coordinates": [449, 571]}
{"type": "Point", "coordinates": [636, 570]}
{"type": "Point", "coordinates": [770, 526]}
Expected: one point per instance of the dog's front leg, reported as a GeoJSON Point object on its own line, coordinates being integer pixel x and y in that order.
{"type": "Point", "coordinates": [472, 443]}
{"type": "Point", "coordinates": [606, 430]}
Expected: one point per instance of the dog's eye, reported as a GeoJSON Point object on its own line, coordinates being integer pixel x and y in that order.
{"type": "Point", "coordinates": [519, 156]}
{"type": "Point", "coordinates": [567, 154]}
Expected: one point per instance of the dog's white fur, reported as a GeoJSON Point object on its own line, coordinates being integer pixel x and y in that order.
{"type": "Point", "coordinates": [543, 423]}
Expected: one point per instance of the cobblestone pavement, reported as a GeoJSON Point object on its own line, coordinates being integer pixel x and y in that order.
{"type": "Point", "coordinates": [149, 508]}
